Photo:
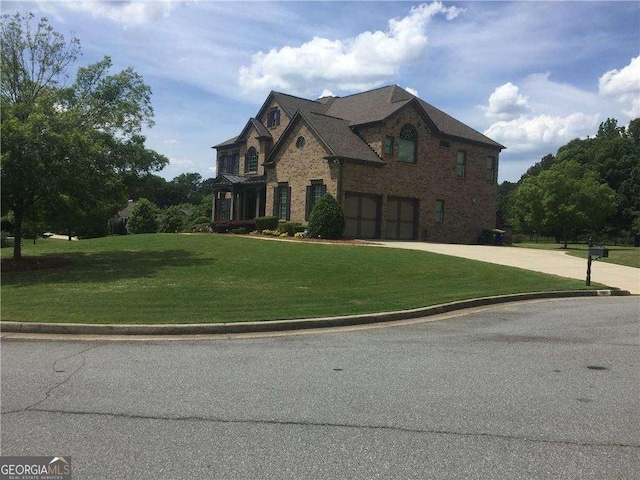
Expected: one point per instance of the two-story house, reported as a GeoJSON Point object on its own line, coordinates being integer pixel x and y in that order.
{"type": "Point", "coordinates": [400, 168]}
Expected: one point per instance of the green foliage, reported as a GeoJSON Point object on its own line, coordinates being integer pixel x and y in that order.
{"type": "Point", "coordinates": [201, 228]}
{"type": "Point", "coordinates": [4, 240]}
{"type": "Point", "coordinates": [267, 223]}
{"type": "Point", "coordinates": [172, 220]}
{"type": "Point", "coordinates": [117, 226]}
{"type": "Point", "coordinates": [144, 217]}
{"type": "Point", "coordinates": [290, 228]}
{"type": "Point", "coordinates": [564, 200]}
{"type": "Point", "coordinates": [66, 150]}
{"type": "Point", "coordinates": [326, 219]}
{"type": "Point", "coordinates": [610, 158]}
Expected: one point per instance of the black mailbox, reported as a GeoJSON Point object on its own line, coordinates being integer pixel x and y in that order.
{"type": "Point", "coordinates": [601, 252]}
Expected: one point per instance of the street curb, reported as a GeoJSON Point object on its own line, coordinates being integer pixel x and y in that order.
{"type": "Point", "coordinates": [283, 325]}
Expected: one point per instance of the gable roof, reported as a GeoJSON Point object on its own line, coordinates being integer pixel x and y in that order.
{"type": "Point", "coordinates": [335, 135]}
{"type": "Point", "coordinates": [376, 105]}
{"type": "Point", "coordinates": [260, 128]}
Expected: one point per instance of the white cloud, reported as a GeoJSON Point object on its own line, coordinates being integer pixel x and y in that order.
{"type": "Point", "coordinates": [542, 132]}
{"type": "Point", "coordinates": [506, 103]}
{"type": "Point", "coordinates": [412, 91]}
{"type": "Point", "coordinates": [326, 93]}
{"type": "Point", "coordinates": [623, 85]}
{"type": "Point", "coordinates": [127, 13]}
{"type": "Point", "coordinates": [364, 61]}
{"type": "Point", "coordinates": [181, 162]}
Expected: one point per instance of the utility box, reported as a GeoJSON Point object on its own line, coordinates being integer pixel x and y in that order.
{"type": "Point", "coordinates": [600, 252]}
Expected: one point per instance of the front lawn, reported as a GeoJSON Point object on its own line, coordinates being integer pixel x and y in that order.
{"type": "Point", "coordinates": [629, 256]}
{"type": "Point", "coordinates": [168, 278]}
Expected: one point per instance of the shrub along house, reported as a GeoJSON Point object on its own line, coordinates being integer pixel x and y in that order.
{"type": "Point", "coordinates": [399, 167]}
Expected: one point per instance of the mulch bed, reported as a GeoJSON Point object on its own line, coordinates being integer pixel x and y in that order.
{"type": "Point", "coordinates": [32, 264]}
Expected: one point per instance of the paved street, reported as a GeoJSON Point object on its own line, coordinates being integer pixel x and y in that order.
{"type": "Point", "coordinates": [546, 389]}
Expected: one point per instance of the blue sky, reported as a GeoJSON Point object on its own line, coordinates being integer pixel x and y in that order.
{"type": "Point", "coordinates": [531, 75]}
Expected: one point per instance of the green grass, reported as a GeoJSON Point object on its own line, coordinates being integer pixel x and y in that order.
{"type": "Point", "coordinates": [629, 256]}
{"type": "Point", "coordinates": [218, 278]}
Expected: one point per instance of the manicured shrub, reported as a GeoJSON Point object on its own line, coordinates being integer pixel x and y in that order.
{"type": "Point", "coordinates": [275, 233]}
{"type": "Point", "coordinates": [239, 231]}
{"type": "Point", "coordinates": [326, 219]}
{"type": "Point", "coordinates": [266, 223]}
{"type": "Point", "coordinates": [144, 217]}
{"type": "Point", "coordinates": [226, 226]}
{"type": "Point", "coordinates": [291, 228]}
{"type": "Point", "coordinates": [221, 226]}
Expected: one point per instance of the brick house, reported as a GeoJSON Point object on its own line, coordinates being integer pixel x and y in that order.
{"type": "Point", "coordinates": [400, 168]}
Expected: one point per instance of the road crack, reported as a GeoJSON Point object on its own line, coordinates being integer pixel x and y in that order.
{"type": "Point", "coordinates": [56, 369]}
{"type": "Point", "coordinates": [196, 418]}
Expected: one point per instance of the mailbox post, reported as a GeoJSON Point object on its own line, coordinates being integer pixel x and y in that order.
{"type": "Point", "coordinates": [597, 252]}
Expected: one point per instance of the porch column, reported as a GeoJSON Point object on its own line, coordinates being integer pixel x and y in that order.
{"type": "Point", "coordinates": [258, 195]}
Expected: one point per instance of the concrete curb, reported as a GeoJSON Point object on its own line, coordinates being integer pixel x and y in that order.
{"type": "Point", "coordinates": [283, 325]}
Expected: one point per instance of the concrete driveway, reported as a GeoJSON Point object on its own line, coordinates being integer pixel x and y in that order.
{"type": "Point", "coordinates": [545, 261]}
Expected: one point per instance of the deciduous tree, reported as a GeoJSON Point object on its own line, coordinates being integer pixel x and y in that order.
{"type": "Point", "coordinates": [65, 149]}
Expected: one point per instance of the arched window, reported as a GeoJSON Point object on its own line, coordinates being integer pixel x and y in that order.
{"type": "Point", "coordinates": [251, 161]}
{"type": "Point", "coordinates": [407, 145]}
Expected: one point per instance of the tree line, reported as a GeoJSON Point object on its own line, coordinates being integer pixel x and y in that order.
{"type": "Point", "coordinates": [590, 187]}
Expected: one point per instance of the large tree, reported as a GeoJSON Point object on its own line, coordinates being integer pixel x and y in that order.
{"type": "Point", "coordinates": [65, 148]}
{"type": "Point", "coordinates": [563, 201]}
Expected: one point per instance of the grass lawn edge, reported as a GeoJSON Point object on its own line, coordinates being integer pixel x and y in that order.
{"type": "Point", "coordinates": [296, 324]}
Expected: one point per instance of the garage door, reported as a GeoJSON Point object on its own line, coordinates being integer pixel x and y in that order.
{"type": "Point", "coordinates": [362, 215]}
{"type": "Point", "coordinates": [402, 219]}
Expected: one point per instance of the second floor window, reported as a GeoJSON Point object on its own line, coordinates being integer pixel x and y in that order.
{"type": "Point", "coordinates": [461, 163]}
{"type": "Point", "coordinates": [492, 169]}
{"type": "Point", "coordinates": [407, 144]}
{"type": "Point", "coordinates": [273, 117]}
{"type": "Point", "coordinates": [251, 161]}
{"type": "Point", "coordinates": [229, 163]}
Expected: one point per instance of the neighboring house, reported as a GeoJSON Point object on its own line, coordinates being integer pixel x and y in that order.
{"type": "Point", "coordinates": [400, 168]}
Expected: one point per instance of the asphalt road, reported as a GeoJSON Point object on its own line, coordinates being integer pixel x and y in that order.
{"type": "Point", "coordinates": [546, 389]}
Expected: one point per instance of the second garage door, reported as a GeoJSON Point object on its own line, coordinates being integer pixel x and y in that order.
{"type": "Point", "coordinates": [402, 219]}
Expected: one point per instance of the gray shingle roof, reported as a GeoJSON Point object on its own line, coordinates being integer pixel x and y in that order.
{"type": "Point", "coordinates": [340, 139]}
{"type": "Point", "coordinates": [359, 109]}
{"type": "Point", "coordinates": [292, 104]}
{"type": "Point", "coordinates": [226, 143]}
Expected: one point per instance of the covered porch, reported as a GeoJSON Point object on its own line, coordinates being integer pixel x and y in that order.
{"type": "Point", "coordinates": [236, 197]}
